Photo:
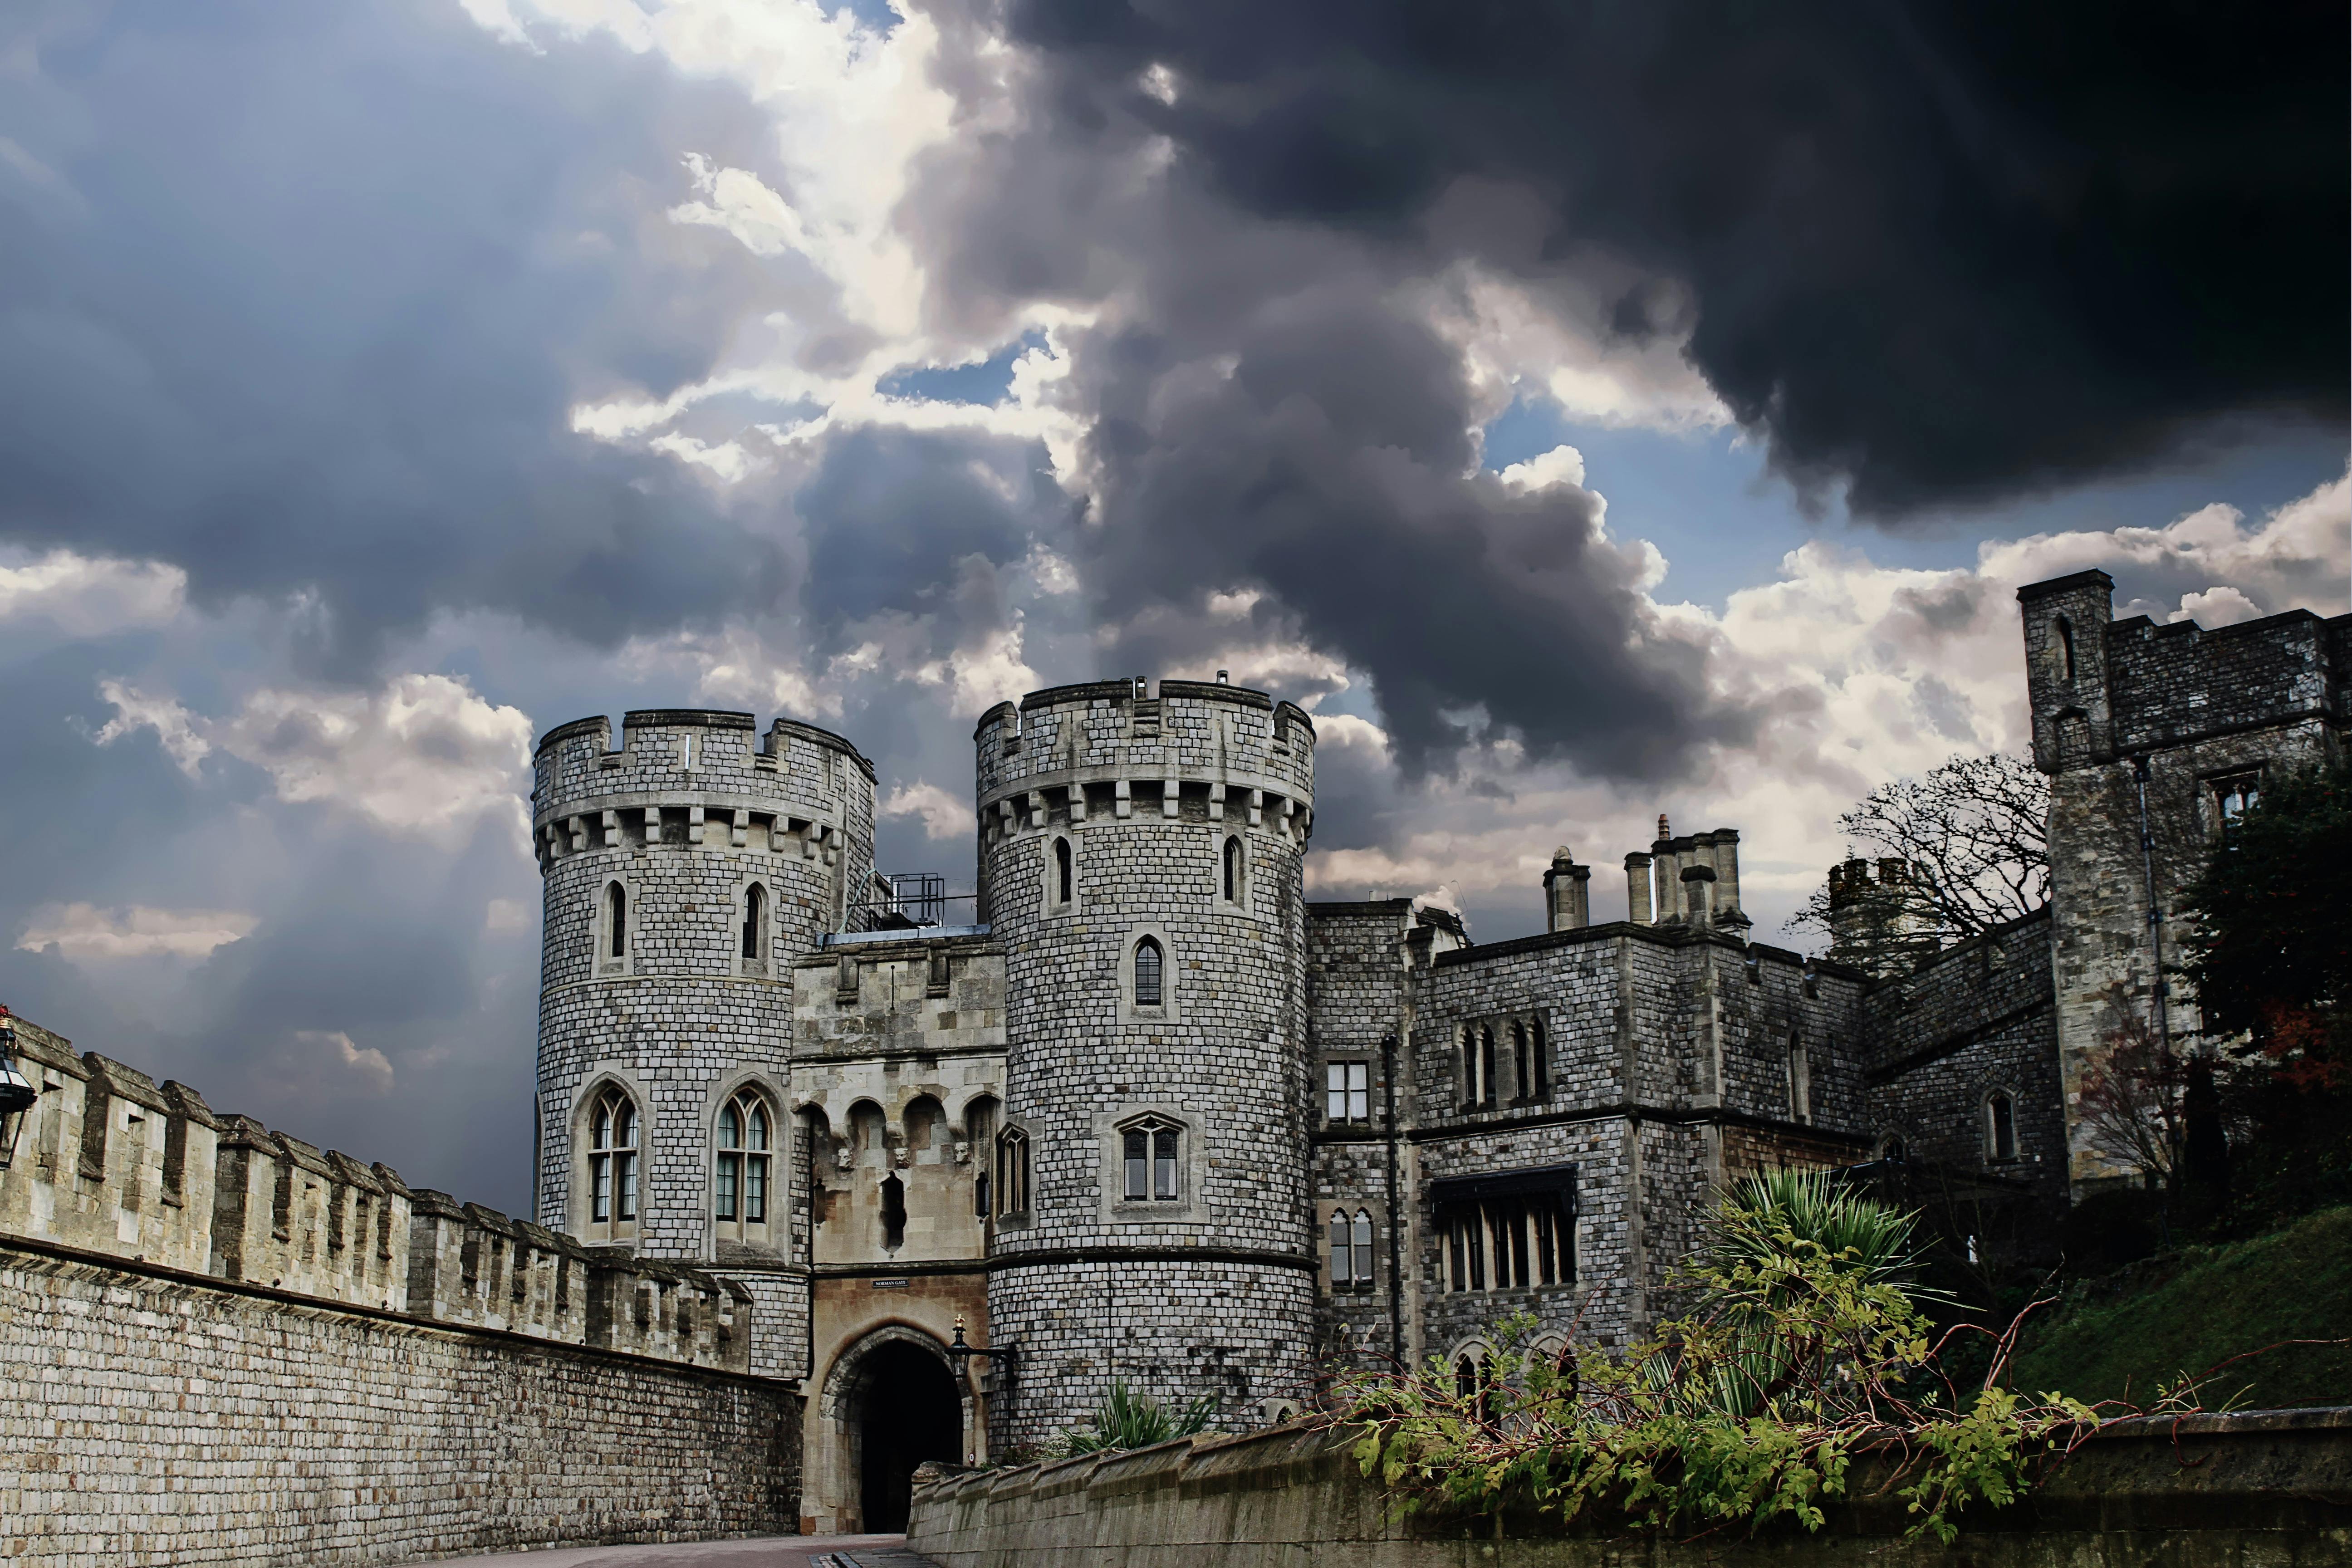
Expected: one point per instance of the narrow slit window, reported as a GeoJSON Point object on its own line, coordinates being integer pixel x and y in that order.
{"type": "Point", "coordinates": [2065, 629]}
{"type": "Point", "coordinates": [1542, 1057]}
{"type": "Point", "coordinates": [1801, 1081]}
{"type": "Point", "coordinates": [1486, 1067]}
{"type": "Point", "coordinates": [894, 1213]}
{"type": "Point", "coordinates": [616, 921]}
{"type": "Point", "coordinates": [1469, 1068]}
{"type": "Point", "coordinates": [755, 920]}
{"type": "Point", "coordinates": [1523, 1072]}
{"type": "Point", "coordinates": [1064, 870]}
{"type": "Point", "coordinates": [1233, 870]}
{"type": "Point", "coordinates": [2001, 1126]}
{"type": "Point", "coordinates": [1459, 1276]}
{"type": "Point", "coordinates": [1149, 979]}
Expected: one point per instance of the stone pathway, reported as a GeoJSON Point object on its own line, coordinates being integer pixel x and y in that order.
{"type": "Point", "coordinates": [767, 1551]}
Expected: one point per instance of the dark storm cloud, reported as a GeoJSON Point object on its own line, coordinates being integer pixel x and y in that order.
{"type": "Point", "coordinates": [893, 516]}
{"type": "Point", "coordinates": [1941, 252]}
{"type": "Point", "coordinates": [1330, 466]}
{"type": "Point", "coordinates": [299, 296]}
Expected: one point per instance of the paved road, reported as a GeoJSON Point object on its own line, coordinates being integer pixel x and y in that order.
{"type": "Point", "coordinates": [770, 1552]}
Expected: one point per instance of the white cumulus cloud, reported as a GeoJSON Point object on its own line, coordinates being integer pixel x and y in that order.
{"type": "Point", "coordinates": [84, 595]}
{"type": "Point", "coordinates": [86, 933]}
{"type": "Point", "coordinates": [944, 816]}
{"type": "Point", "coordinates": [422, 754]}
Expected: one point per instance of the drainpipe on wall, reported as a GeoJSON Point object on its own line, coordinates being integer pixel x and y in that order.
{"type": "Point", "coordinates": [1396, 1209]}
{"type": "Point", "coordinates": [2155, 910]}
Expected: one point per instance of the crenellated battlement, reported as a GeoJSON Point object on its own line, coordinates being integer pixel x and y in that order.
{"type": "Point", "coordinates": [679, 773]}
{"type": "Point", "coordinates": [109, 1162]}
{"type": "Point", "coordinates": [1195, 751]}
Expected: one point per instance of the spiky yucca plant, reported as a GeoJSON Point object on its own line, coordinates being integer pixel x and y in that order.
{"type": "Point", "coordinates": [1126, 1419]}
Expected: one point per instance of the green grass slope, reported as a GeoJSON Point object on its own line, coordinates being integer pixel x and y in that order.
{"type": "Point", "coordinates": [2210, 1304]}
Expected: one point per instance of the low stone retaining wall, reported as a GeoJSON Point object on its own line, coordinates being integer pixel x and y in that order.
{"type": "Point", "coordinates": [2262, 1489]}
{"type": "Point", "coordinates": [153, 1416]}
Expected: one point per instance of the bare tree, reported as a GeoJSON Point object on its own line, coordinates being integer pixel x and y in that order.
{"type": "Point", "coordinates": [1973, 833]}
{"type": "Point", "coordinates": [2133, 1104]}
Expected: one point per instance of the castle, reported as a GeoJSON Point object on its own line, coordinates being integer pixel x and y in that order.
{"type": "Point", "coordinates": [1137, 1110]}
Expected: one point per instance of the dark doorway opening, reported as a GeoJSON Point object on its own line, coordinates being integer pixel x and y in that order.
{"type": "Point", "coordinates": [907, 1411]}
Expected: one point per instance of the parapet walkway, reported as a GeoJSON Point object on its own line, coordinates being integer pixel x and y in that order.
{"type": "Point", "coordinates": [767, 1551]}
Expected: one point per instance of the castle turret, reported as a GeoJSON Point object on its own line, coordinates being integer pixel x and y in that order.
{"type": "Point", "coordinates": [682, 874]}
{"type": "Point", "coordinates": [1141, 861]}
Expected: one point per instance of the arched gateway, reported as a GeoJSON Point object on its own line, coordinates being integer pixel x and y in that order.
{"type": "Point", "coordinates": [889, 1404]}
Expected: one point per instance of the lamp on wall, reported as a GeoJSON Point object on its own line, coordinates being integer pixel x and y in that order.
{"type": "Point", "coordinates": [961, 1353]}
{"type": "Point", "coordinates": [17, 1094]}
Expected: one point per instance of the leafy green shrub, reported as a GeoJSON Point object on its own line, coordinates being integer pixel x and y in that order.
{"type": "Point", "coordinates": [1803, 1344]}
{"type": "Point", "coordinates": [1128, 1420]}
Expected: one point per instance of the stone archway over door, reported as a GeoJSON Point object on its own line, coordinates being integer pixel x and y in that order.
{"type": "Point", "coordinates": [888, 1404]}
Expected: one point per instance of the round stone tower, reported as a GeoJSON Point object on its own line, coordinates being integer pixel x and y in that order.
{"type": "Point", "coordinates": [682, 874]}
{"type": "Point", "coordinates": [1141, 858]}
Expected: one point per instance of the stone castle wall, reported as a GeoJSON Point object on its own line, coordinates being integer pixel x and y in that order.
{"type": "Point", "coordinates": [1145, 793]}
{"type": "Point", "coordinates": [2201, 709]}
{"type": "Point", "coordinates": [219, 1343]}
{"type": "Point", "coordinates": [153, 1416]}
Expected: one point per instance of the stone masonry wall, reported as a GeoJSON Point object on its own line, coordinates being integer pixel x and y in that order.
{"type": "Point", "coordinates": [2262, 1489]}
{"type": "Point", "coordinates": [2201, 708]}
{"type": "Point", "coordinates": [154, 1417]}
{"type": "Point", "coordinates": [1146, 792]}
{"type": "Point", "coordinates": [1936, 1043]}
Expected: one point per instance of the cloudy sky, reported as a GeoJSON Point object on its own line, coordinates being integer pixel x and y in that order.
{"type": "Point", "coordinates": [1588, 411]}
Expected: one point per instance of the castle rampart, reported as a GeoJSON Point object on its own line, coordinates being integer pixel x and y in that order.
{"type": "Point", "coordinates": [221, 1343]}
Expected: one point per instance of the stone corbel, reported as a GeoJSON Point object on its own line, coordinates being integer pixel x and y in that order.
{"type": "Point", "coordinates": [612, 830]}
{"type": "Point", "coordinates": [1216, 803]}
{"type": "Point", "coordinates": [1122, 801]}
{"type": "Point", "coordinates": [653, 825]}
{"type": "Point", "coordinates": [694, 825]}
{"type": "Point", "coordinates": [1077, 803]}
{"type": "Point", "coordinates": [1171, 795]}
{"type": "Point", "coordinates": [963, 1152]}
{"type": "Point", "coordinates": [742, 833]}
{"type": "Point", "coordinates": [578, 828]}
{"type": "Point", "coordinates": [1037, 808]}
{"type": "Point", "coordinates": [1257, 807]}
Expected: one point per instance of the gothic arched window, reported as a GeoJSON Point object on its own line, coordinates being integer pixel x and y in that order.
{"type": "Point", "coordinates": [1523, 1075]}
{"type": "Point", "coordinates": [2065, 629]}
{"type": "Point", "coordinates": [1013, 1171]}
{"type": "Point", "coordinates": [1150, 978]}
{"type": "Point", "coordinates": [611, 1163]}
{"type": "Point", "coordinates": [739, 1187]}
{"type": "Point", "coordinates": [1234, 878]}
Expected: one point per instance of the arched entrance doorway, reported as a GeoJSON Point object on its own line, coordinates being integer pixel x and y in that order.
{"type": "Point", "coordinates": [904, 1410]}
